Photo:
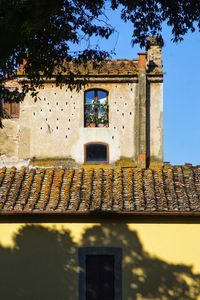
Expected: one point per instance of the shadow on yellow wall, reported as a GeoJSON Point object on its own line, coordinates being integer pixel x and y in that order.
{"type": "Point", "coordinates": [43, 265]}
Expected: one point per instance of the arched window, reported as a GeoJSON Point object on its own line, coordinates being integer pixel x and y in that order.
{"type": "Point", "coordinates": [96, 108]}
{"type": "Point", "coordinates": [96, 152]}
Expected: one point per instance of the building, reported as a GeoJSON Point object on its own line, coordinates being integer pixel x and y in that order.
{"type": "Point", "coordinates": [94, 213]}
{"type": "Point", "coordinates": [95, 124]}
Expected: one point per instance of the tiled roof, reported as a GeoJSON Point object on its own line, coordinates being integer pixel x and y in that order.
{"type": "Point", "coordinates": [123, 190]}
{"type": "Point", "coordinates": [110, 67]}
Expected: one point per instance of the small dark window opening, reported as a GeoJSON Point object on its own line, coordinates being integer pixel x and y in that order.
{"type": "Point", "coordinates": [100, 273]}
{"type": "Point", "coordinates": [96, 108]}
{"type": "Point", "coordinates": [96, 152]}
{"type": "Point", "coordinates": [100, 277]}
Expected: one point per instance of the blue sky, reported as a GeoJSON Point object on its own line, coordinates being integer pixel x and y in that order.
{"type": "Point", "coordinates": [181, 89]}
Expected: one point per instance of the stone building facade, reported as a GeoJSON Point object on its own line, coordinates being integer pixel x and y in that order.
{"type": "Point", "coordinates": [55, 128]}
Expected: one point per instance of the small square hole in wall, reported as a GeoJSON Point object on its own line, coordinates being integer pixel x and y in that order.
{"type": "Point", "coordinates": [56, 127]}
{"type": "Point", "coordinates": [117, 110]}
{"type": "Point", "coordinates": [131, 89]}
{"type": "Point", "coordinates": [40, 128]}
{"type": "Point", "coordinates": [125, 103]}
{"type": "Point", "coordinates": [130, 113]}
{"type": "Point", "coordinates": [123, 127]}
{"type": "Point", "coordinates": [61, 109]}
{"type": "Point", "coordinates": [71, 96]}
{"type": "Point", "coordinates": [41, 109]}
{"type": "Point", "coordinates": [114, 127]}
{"type": "Point", "coordinates": [68, 128]}
{"type": "Point", "coordinates": [66, 136]}
{"type": "Point", "coordinates": [48, 103]}
{"type": "Point", "coordinates": [69, 120]}
{"type": "Point", "coordinates": [46, 119]}
{"type": "Point", "coordinates": [57, 119]}
{"type": "Point", "coordinates": [56, 103]}
{"type": "Point", "coordinates": [66, 103]}
{"type": "Point", "coordinates": [54, 93]}
{"type": "Point", "coordinates": [50, 110]}
{"type": "Point", "coordinates": [44, 99]}
{"type": "Point", "coordinates": [112, 137]}
{"type": "Point", "coordinates": [34, 113]}
{"type": "Point", "coordinates": [52, 86]}
{"type": "Point", "coordinates": [122, 114]}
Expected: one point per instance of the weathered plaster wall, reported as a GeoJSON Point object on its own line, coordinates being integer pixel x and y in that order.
{"type": "Point", "coordinates": [53, 126]}
{"type": "Point", "coordinates": [9, 141]}
{"type": "Point", "coordinates": [151, 255]}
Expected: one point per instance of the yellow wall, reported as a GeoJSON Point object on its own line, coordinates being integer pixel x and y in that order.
{"type": "Point", "coordinates": [156, 259]}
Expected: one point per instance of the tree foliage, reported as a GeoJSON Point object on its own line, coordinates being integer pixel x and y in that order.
{"type": "Point", "coordinates": [42, 32]}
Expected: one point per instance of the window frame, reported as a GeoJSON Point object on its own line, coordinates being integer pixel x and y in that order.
{"type": "Point", "coordinates": [95, 96]}
{"type": "Point", "coordinates": [116, 252]}
{"type": "Point", "coordinates": [96, 162]}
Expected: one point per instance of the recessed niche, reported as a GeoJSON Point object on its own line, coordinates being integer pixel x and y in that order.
{"type": "Point", "coordinates": [56, 103]}
{"type": "Point", "coordinates": [34, 113]}
{"type": "Point", "coordinates": [50, 110]}
{"type": "Point", "coordinates": [57, 119]}
{"type": "Point", "coordinates": [73, 102]}
{"type": "Point", "coordinates": [54, 93]}
{"type": "Point", "coordinates": [44, 99]}
{"type": "Point", "coordinates": [69, 120]}
{"type": "Point", "coordinates": [114, 127]}
{"type": "Point", "coordinates": [40, 128]}
{"type": "Point", "coordinates": [52, 86]}
{"type": "Point", "coordinates": [66, 103]}
{"type": "Point", "coordinates": [112, 137]}
{"type": "Point", "coordinates": [125, 103]}
{"type": "Point", "coordinates": [57, 127]}
{"type": "Point", "coordinates": [131, 89]}
{"type": "Point", "coordinates": [130, 113]}
{"type": "Point", "coordinates": [61, 109]}
{"type": "Point", "coordinates": [41, 109]}
{"type": "Point", "coordinates": [66, 136]}
{"type": "Point", "coordinates": [123, 127]}
{"type": "Point", "coordinates": [48, 103]}
{"type": "Point", "coordinates": [74, 107]}
{"type": "Point", "coordinates": [68, 128]}
{"type": "Point", "coordinates": [122, 114]}
{"type": "Point", "coordinates": [117, 110]}
{"type": "Point", "coordinates": [46, 119]}
{"type": "Point", "coordinates": [71, 97]}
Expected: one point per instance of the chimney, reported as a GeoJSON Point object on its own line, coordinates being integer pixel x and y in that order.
{"type": "Point", "coordinates": [154, 54]}
{"type": "Point", "coordinates": [142, 61]}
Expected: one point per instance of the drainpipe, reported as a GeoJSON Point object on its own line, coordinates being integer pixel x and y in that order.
{"type": "Point", "coordinates": [141, 111]}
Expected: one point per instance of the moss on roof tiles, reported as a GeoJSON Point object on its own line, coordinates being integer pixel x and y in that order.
{"type": "Point", "coordinates": [164, 189]}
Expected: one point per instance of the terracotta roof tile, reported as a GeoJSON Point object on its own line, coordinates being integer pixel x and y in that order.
{"type": "Point", "coordinates": [110, 67]}
{"type": "Point", "coordinates": [54, 190]}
